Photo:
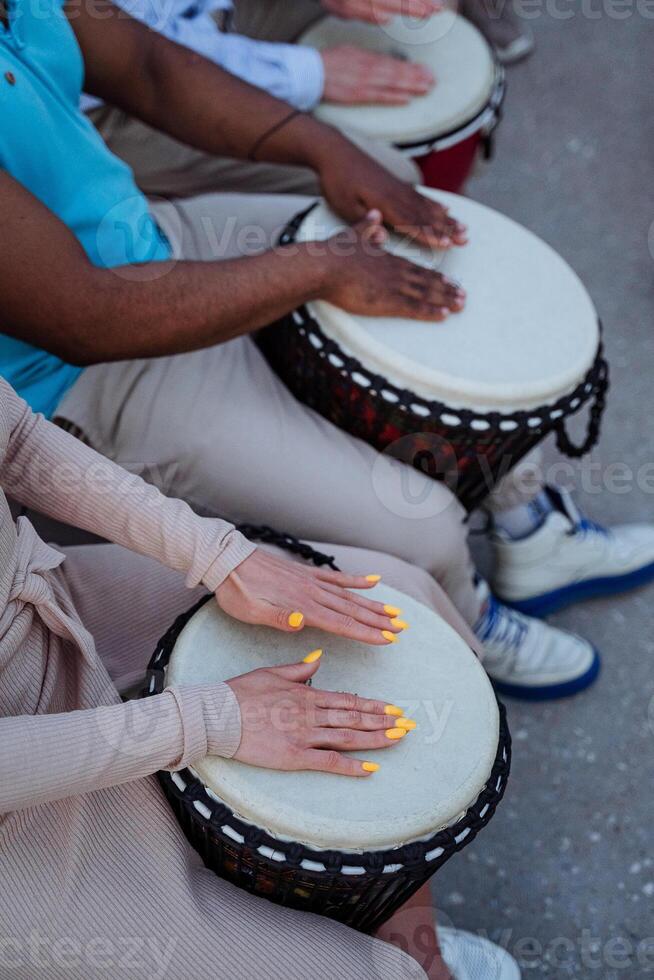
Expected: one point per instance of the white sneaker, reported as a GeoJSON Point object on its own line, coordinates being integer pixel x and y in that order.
{"type": "Point", "coordinates": [569, 558]}
{"type": "Point", "coordinates": [528, 659]}
{"type": "Point", "coordinates": [469, 957]}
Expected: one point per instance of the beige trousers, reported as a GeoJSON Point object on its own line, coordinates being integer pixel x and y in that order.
{"type": "Point", "coordinates": [164, 167]}
{"type": "Point", "coordinates": [217, 428]}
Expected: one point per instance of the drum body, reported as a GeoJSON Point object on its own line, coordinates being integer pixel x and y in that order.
{"type": "Point", "coordinates": [445, 130]}
{"type": "Point", "coordinates": [466, 399]}
{"type": "Point", "coordinates": [353, 850]}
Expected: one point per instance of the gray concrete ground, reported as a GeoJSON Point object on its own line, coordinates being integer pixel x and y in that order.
{"type": "Point", "coordinates": [565, 873]}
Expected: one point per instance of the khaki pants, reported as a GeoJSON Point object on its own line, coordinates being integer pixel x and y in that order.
{"type": "Point", "coordinates": [164, 167]}
{"type": "Point", "coordinates": [217, 428]}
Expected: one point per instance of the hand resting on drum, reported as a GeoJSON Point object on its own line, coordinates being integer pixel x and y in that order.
{"type": "Point", "coordinates": [353, 184]}
{"type": "Point", "coordinates": [271, 591]}
{"type": "Point", "coordinates": [381, 11]}
{"type": "Point", "coordinates": [287, 725]}
{"type": "Point", "coordinates": [356, 76]}
{"type": "Point", "coordinates": [372, 282]}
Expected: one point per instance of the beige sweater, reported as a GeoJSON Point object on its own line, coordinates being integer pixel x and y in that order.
{"type": "Point", "coordinates": [47, 751]}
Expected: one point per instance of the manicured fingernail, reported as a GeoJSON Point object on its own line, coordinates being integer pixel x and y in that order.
{"type": "Point", "coordinates": [373, 578]}
{"type": "Point", "coordinates": [395, 733]}
{"type": "Point", "coordinates": [392, 709]}
{"type": "Point", "coordinates": [370, 766]}
{"type": "Point", "coordinates": [312, 657]}
{"type": "Point", "coordinates": [296, 619]}
{"type": "Point", "coordinates": [391, 637]}
{"type": "Point", "coordinates": [400, 624]}
{"type": "Point", "coordinates": [392, 610]}
{"type": "Point", "coordinates": [406, 723]}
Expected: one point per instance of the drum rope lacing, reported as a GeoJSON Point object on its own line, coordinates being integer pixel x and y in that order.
{"type": "Point", "coordinates": [215, 817]}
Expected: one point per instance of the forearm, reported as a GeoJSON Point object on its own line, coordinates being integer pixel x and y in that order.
{"type": "Point", "coordinates": [200, 104]}
{"type": "Point", "coordinates": [186, 95]}
{"type": "Point", "coordinates": [51, 757]}
{"type": "Point", "coordinates": [169, 308]}
{"type": "Point", "coordinates": [49, 470]}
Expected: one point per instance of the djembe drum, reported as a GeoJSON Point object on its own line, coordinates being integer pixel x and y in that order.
{"type": "Point", "coordinates": [444, 130]}
{"type": "Point", "coordinates": [354, 850]}
{"type": "Point", "coordinates": [465, 399]}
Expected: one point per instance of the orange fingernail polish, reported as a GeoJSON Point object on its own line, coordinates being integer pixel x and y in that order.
{"type": "Point", "coordinates": [373, 578]}
{"type": "Point", "coordinates": [392, 709]}
{"type": "Point", "coordinates": [399, 623]}
{"type": "Point", "coordinates": [296, 619]}
{"type": "Point", "coordinates": [312, 657]}
{"type": "Point", "coordinates": [392, 610]}
{"type": "Point", "coordinates": [369, 766]}
{"type": "Point", "coordinates": [395, 733]}
{"type": "Point", "coordinates": [406, 723]}
{"type": "Point", "coordinates": [391, 637]}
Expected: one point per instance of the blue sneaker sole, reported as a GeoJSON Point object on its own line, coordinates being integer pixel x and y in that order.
{"type": "Point", "coordinates": [552, 692]}
{"type": "Point", "coordinates": [594, 588]}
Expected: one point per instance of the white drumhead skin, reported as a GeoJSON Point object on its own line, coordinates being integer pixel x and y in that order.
{"type": "Point", "coordinates": [425, 782]}
{"type": "Point", "coordinates": [449, 45]}
{"type": "Point", "coordinates": [527, 336]}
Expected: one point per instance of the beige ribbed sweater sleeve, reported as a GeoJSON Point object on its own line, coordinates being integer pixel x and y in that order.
{"type": "Point", "coordinates": [51, 471]}
{"type": "Point", "coordinates": [51, 757]}
{"type": "Point", "coordinates": [47, 757]}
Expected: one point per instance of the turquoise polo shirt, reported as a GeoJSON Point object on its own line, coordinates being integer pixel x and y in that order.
{"type": "Point", "coordinates": [49, 147]}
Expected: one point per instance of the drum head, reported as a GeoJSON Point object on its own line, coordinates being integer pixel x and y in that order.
{"type": "Point", "coordinates": [527, 336]}
{"type": "Point", "coordinates": [425, 782]}
{"type": "Point", "coordinates": [449, 45]}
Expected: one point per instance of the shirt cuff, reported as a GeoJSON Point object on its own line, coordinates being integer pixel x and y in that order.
{"type": "Point", "coordinates": [237, 549]}
{"type": "Point", "coordinates": [220, 550]}
{"type": "Point", "coordinates": [306, 76]}
{"type": "Point", "coordinates": [211, 722]}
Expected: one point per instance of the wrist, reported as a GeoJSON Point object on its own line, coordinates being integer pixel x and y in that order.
{"type": "Point", "coordinates": [323, 145]}
{"type": "Point", "coordinates": [323, 268]}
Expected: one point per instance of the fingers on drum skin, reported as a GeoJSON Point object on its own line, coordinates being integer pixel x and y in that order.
{"type": "Point", "coordinates": [358, 720]}
{"type": "Point", "coordinates": [370, 604]}
{"type": "Point", "coordinates": [348, 581]}
{"type": "Point", "coordinates": [346, 701]}
{"type": "Point", "coordinates": [357, 612]}
{"type": "Point", "coordinates": [349, 740]}
{"type": "Point", "coordinates": [334, 762]}
{"type": "Point", "coordinates": [349, 627]}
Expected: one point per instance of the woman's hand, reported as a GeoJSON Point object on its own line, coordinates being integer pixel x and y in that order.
{"type": "Point", "coordinates": [381, 11]}
{"type": "Point", "coordinates": [271, 591]}
{"type": "Point", "coordinates": [287, 725]}
{"type": "Point", "coordinates": [354, 184]}
{"type": "Point", "coordinates": [356, 76]}
{"type": "Point", "coordinates": [370, 281]}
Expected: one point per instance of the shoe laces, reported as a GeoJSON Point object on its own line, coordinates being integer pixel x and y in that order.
{"type": "Point", "coordinates": [587, 528]}
{"type": "Point", "coordinates": [502, 626]}
{"type": "Point", "coordinates": [582, 526]}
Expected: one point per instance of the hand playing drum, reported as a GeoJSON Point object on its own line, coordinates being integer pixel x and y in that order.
{"type": "Point", "coordinates": [373, 282]}
{"type": "Point", "coordinates": [289, 726]}
{"type": "Point", "coordinates": [356, 76]}
{"type": "Point", "coordinates": [441, 127]}
{"type": "Point", "coordinates": [265, 590]}
{"type": "Point", "coordinates": [381, 11]}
